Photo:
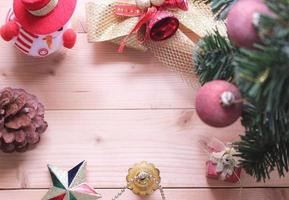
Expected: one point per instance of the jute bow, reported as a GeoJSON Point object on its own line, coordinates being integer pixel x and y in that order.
{"type": "Point", "coordinates": [175, 52]}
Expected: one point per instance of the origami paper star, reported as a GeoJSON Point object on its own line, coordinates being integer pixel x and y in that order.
{"type": "Point", "coordinates": [70, 185]}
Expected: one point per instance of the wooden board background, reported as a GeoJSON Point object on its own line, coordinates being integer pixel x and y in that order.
{"type": "Point", "coordinates": [114, 110]}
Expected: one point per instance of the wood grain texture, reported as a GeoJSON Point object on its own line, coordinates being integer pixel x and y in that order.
{"type": "Point", "coordinates": [112, 141]}
{"type": "Point", "coordinates": [180, 194]}
{"type": "Point", "coordinates": [95, 77]}
{"type": "Point", "coordinates": [114, 110]}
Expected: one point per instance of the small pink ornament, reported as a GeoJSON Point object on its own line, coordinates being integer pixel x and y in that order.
{"type": "Point", "coordinates": [240, 25]}
{"type": "Point", "coordinates": [224, 165]}
{"type": "Point", "coordinates": [218, 103]}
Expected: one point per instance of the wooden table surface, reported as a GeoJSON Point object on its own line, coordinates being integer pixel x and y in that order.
{"type": "Point", "coordinates": [114, 110]}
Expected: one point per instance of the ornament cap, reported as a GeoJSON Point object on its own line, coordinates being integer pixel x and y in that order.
{"type": "Point", "coordinates": [227, 98]}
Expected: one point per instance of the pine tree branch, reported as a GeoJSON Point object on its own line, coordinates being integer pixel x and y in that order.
{"type": "Point", "coordinates": [213, 58]}
{"type": "Point", "coordinates": [263, 76]}
{"type": "Point", "coordinates": [265, 146]}
{"type": "Point", "coordinates": [274, 30]}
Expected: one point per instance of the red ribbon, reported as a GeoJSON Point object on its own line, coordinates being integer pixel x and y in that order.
{"type": "Point", "coordinates": [151, 16]}
{"type": "Point", "coordinates": [134, 11]}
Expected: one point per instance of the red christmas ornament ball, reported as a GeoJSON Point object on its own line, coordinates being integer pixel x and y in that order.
{"type": "Point", "coordinates": [240, 25]}
{"type": "Point", "coordinates": [216, 103]}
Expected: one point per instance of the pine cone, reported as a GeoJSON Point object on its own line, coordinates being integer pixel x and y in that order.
{"type": "Point", "coordinates": [21, 120]}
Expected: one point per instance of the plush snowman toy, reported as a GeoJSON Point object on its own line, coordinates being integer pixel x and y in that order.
{"type": "Point", "coordinates": [39, 28]}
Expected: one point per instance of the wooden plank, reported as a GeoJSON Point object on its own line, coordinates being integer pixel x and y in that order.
{"type": "Point", "coordinates": [113, 140]}
{"type": "Point", "coordinates": [4, 6]}
{"type": "Point", "coordinates": [103, 80]}
{"type": "Point", "coordinates": [182, 194]}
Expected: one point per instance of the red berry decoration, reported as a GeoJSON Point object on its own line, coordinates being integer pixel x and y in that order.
{"type": "Point", "coordinates": [69, 38]}
{"type": "Point", "coordinates": [240, 25]}
{"type": "Point", "coordinates": [9, 31]}
{"type": "Point", "coordinates": [218, 103]}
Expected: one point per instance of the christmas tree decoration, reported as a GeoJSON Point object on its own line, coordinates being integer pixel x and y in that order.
{"type": "Point", "coordinates": [224, 165]}
{"type": "Point", "coordinates": [260, 73]}
{"type": "Point", "coordinates": [70, 185]}
{"type": "Point", "coordinates": [21, 120]}
{"type": "Point", "coordinates": [213, 57]}
{"type": "Point", "coordinates": [240, 24]}
{"type": "Point", "coordinates": [143, 179]}
{"type": "Point", "coordinates": [168, 31]}
{"type": "Point", "coordinates": [160, 24]}
{"type": "Point", "coordinates": [223, 162]}
{"type": "Point", "coordinates": [218, 103]}
{"type": "Point", "coordinates": [39, 28]}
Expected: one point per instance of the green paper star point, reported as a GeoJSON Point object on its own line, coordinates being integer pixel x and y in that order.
{"type": "Point", "coordinates": [70, 185]}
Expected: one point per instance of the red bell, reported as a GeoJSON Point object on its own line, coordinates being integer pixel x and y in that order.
{"type": "Point", "coordinates": [162, 26]}
{"type": "Point", "coordinates": [181, 4]}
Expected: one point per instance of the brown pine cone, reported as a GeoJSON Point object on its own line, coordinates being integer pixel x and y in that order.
{"type": "Point", "coordinates": [21, 120]}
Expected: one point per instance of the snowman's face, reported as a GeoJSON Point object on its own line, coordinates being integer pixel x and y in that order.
{"type": "Point", "coordinates": [57, 33]}
{"type": "Point", "coordinates": [54, 38]}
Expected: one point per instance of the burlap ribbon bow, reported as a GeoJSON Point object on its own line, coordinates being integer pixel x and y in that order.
{"type": "Point", "coordinates": [176, 52]}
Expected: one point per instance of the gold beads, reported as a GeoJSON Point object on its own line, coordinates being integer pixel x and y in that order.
{"type": "Point", "coordinates": [149, 3]}
{"type": "Point", "coordinates": [157, 2]}
{"type": "Point", "coordinates": [143, 3]}
{"type": "Point", "coordinates": [143, 178]}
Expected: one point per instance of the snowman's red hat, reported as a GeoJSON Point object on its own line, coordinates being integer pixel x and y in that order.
{"type": "Point", "coordinates": [43, 16]}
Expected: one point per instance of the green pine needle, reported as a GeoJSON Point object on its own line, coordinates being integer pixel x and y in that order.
{"type": "Point", "coordinates": [265, 146]}
{"type": "Point", "coordinates": [275, 30]}
{"type": "Point", "coordinates": [213, 58]}
{"type": "Point", "coordinates": [262, 75]}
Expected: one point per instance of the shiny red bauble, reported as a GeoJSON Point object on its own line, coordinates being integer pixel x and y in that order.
{"type": "Point", "coordinates": [163, 26]}
{"type": "Point", "coordinates": [218, 103]}
{"type": "Point", "coordinates": [241, 29]}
